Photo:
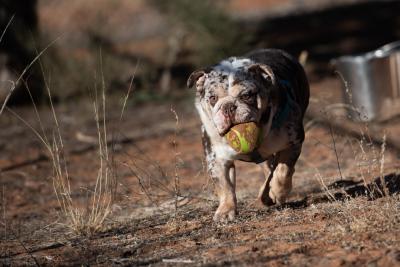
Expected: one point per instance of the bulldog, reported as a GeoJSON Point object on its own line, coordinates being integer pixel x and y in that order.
{"type": "Point", "coordinates": [268, 87]}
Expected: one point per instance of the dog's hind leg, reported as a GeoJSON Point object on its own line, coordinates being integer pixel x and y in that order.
{"type": "Point", "coordinates": [268, 169]}
{"type": "Point", "coordinates": [281, 182]}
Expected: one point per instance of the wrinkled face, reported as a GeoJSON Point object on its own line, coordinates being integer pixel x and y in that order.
{"type": "Point", "coordinates": [233, 92]}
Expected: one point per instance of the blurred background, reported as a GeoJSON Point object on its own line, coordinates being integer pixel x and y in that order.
{"type": "Point", "coordinates": [161, 42]}
{"type": "Point", "coordinates": [155, 151]}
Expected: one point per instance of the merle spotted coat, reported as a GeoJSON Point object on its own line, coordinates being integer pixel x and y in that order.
{"type": "Point", "coordinates": [268, 87]}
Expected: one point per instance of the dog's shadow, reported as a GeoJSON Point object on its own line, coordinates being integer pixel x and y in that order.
{"type": "Point", "coordinates": [344, 189]}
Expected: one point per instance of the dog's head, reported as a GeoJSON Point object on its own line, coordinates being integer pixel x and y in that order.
{"type": "Point", "coordinates": [234, 91]}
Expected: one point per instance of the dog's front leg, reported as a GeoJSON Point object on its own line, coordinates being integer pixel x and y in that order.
{"type": "Point", "coordinates": [223, 174]}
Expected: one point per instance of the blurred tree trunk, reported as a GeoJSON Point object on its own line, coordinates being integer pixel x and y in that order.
{"type": "Point", "coordinates": [18, 48]}
{"type": "Point", "coordinates": [174, 47]}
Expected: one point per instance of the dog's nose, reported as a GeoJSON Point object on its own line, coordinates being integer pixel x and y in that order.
{"type": "Point", "coordinates": [229, 109]}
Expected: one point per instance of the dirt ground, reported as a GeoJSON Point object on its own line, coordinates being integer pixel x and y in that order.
{"type": "Point", "coordinates": [335, 215]}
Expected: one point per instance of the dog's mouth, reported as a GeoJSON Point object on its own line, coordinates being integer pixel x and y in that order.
{"type": "Point", "coordinates": [225, 131]}
{"type": "Point", "coordinates": [265, 117]}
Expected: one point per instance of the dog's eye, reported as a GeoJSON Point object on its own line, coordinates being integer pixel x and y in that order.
{"type": "Point", "coordinates": [213, 99]}
{"type": "Point", "coordinates": [247, 96]}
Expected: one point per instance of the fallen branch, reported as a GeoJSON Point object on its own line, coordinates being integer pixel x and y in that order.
{"type": "Point", "coordinates": [177, 261]}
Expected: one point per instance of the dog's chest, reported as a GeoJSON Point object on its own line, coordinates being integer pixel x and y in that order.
{"type": "Point", "coordinates": [275, 141]}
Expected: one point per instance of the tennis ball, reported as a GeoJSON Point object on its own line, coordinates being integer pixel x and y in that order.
{"type": "Point", "coordinates": [244, 138]}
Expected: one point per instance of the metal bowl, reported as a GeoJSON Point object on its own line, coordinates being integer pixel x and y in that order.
{"type": "Point", "coordinates": [372, 82]}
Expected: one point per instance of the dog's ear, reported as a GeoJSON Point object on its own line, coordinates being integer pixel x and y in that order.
{"type": "Point", "coordinates": [264, 70]}
{"type": "Point", "coordinates": [195, 76]}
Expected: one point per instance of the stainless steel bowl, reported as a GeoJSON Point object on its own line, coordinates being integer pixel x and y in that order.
{"type": "Point", "coordinates": [372, 82]}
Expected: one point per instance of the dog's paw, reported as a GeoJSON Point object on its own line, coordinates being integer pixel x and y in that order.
{"type": "Point", "coordinates": [277, 198]}
{"type": "Point", "coordinates": [264, 200]}
{"type": "Point", "coordinates": [225, 213]}
{"type": "Point", "coordinates": [270, 197]}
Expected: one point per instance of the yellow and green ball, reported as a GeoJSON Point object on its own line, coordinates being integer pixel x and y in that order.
{"type": "Point", "coordinates": [244, 138]}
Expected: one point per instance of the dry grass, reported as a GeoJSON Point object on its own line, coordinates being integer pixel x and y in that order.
{"type": "Point", "coordinates": [368, 159]}
{"type": "Point", "coordinates": [160, 185]}
{"type": "Point", "coordinates": [358, 215]}
{"type": "Point", "coordinates": [89, 218]}
{"type": "Point", "coordinates": [176, 162]}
